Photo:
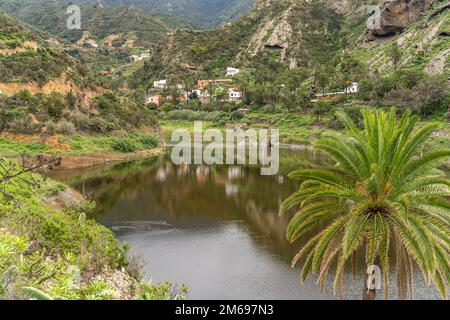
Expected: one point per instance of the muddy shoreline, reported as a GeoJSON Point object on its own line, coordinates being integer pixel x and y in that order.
{"type": "Point", "coordinates": [83, 161]}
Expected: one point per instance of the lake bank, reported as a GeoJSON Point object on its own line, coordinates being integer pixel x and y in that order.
{"type": "Point", "coordinates": [80, 151]}
{"type": "Point", "coordinates": [214, 228]}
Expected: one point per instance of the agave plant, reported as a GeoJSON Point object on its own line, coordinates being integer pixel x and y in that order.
{"type": "Point", "coordinates": [383, 198]}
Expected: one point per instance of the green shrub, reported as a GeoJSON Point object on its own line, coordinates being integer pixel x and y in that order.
{"type": "Point", "coordinates": [236, 115]}
{"type": "Point", "coordinates": [66, 128]}
{"type": "Point", "coordinates": [24, 125]}
{"type": "Point", "coordinates": [124, 145]}
{"type": "Point", "coordinates": [148, 142]}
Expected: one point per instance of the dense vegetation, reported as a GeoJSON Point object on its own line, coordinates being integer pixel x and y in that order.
{"type": "Point", "coordinates": [55, 113]}
{"type": "Point", "coordinates": [385, 192]}
{"type": "Point", "coordinates": [50, 250]}
{"type": "Point", "coordinates": [201, 13]}
{"type": "Point", "coordinates": [127, 22]}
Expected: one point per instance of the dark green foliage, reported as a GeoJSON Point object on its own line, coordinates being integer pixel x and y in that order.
{"type": "Point", "coordinates": [13, 40]}
{"type": "Point", "coordinates": [41, 66]}
{"type": "Point", "coordinates": [134, 142]}
{"type": "Point", "coordinates": [407, 89]}
{"type": "Point", "coordinates": [51, 17]}
{"type": "Point", "coordinates": [115, 113]}
{"type": "Point", "coordinates": [236, 115]}
{"type": "Point", "coordinates": [55, 106]}
{"type": "Point", "coordinates": [124, 145]}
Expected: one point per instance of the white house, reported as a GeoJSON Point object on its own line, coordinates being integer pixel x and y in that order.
{"type": "Point", "coordinates": [353, 88]}
{"type": "Point", "coordinates": [232, 71]}
{"type": "Point", "coordinates": [142, 56]}
{"type": "Point", "coordinates": [160, 84]}
{"type": "Point", "coordinates": [188, 94]}
{"type": "Point", "coordinates": [234, 95]}
{"type": "Point", "coordinates": [204, 96]}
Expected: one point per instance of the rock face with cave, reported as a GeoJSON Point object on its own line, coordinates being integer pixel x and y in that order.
{"type": "Point", "coordinates": [395, 15]}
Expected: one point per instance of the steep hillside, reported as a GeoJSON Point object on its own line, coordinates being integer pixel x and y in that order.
{"type": "Point", "coordinates": [201, 13]}
{"type": "Point", "coordinates": [41, 86]}
{"type": "Point", "coordinates": [287, 32]}
{"type": "Point", "coordinates": [423, 41]}
{"type": "Point", "coordinates": [301, 33]}
{"type": "Point", "coordinates": [124, 25]}
{"type": "Point", "coordinates": [28, 56]}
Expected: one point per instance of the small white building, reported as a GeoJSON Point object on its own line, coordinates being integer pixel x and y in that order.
{"type": "Point", "coordinates": [234, 95]}
{"type": "Point", "coordinates": [353, 88]}
{"type": "Point", "coordinates": [205, 97]}
{"type": "Point", "coordinates": [140, 57]}
{"type": "Point", "coordinates": [188, 94]}
{"type": "Point", "coordinates": [160, 84]}
{"type": "Point", "coordinates": [232, 71]}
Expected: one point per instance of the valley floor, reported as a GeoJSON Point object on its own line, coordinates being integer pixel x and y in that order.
{"type": "Point", "coordinates": [295, 129]}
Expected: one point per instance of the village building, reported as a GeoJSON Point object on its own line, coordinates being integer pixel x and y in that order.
{"type": "Point", "coordinates": [160, 84]}
{"type": "Point", "coordinates": [353, 88]}
{"type": "Point", "coordinates": [234, 95]}
{"type": "Point", "coordinates": [232, 71]}
{"type": "Point", "coordinates": [189, 94]}
{"type": "Point", "coordinates": [202, 84]}
{"type": "Point", "coordinates": [181, 98]}
{"type": "Point", "coordinates": [140, 57]}
{"type": "Point", "coordinates": [205, 97]}
{"type": "Point", "coordinates": [89, 44]}
{"type": "Point", "coordinates": [158, 99]}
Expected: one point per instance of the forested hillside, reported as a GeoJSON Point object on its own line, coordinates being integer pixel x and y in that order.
{"type": "Point", "coordinates": [301, 34]}
{"type": "Point", "coordinates": [201, 13]}
{"type": "Point", "coordinates": [43, 88]}
{"type": "Point", "coordinates": [123, 25]}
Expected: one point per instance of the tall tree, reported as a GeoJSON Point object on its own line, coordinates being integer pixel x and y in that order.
{"type": "Point", "coordinates": [396, 54]}
{"type": "Point", "coordinates": [380, 196]}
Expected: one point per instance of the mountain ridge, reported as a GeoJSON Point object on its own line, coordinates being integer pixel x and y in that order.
{"type": "Point", "coordinates": [303, 33]}
{"type": "Point", "coordinates": [201, 13]}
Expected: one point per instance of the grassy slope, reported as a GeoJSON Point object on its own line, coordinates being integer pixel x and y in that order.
{"type": "Point", "coordinates": [13, 146]}
{"type": "Point", "coordinates": [420, 43]}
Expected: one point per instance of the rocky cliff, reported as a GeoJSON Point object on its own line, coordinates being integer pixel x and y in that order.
{"type": "Point", "coordinates": [396, 15]}
{"type": "Point", "coordinates": [303, 33]}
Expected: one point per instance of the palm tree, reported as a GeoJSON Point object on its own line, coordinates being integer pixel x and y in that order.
{"type": "Point", "coordinates": [381, 196]}
{"type": "Point", "coordinates": [396, 54]}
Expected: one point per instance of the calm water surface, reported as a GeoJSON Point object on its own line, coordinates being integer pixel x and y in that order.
{"type": "Point", "coordinates": [214, 228]}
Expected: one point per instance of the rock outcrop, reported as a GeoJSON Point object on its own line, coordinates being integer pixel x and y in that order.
{"type": "Point", "coordinates": [395, 15]}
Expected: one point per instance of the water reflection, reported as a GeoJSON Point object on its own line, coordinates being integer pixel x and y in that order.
{"type": "Point", "coordinates": [215, 228]}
